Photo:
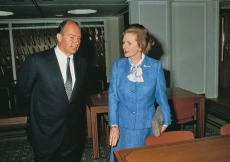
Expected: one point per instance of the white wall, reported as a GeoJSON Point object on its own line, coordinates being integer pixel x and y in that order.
{"type": "Point", "coordinates": [113, 33]}
{"type": "Point", "coordinates": [155, 17]}
{"type": "Point", "coordinates": [188, 32]}
{"type": "Point", "coordinates": [189, 46]}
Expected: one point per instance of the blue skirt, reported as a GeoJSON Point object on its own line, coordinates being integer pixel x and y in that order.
{"type": "Point", "coordinates": [130, 138]}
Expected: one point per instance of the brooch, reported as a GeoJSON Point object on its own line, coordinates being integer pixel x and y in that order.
{"type": "Point", "coordinates": [147, 66]}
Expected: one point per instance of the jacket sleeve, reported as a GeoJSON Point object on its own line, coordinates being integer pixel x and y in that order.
{"type": "Point", "coordinates": [26, 79]}
{"type": "Point", "coordinates": [113, 97]}
{"type": "Point", "coordinates": [161, 96]}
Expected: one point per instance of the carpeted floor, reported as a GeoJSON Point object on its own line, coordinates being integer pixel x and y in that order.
{"type": "Point", "coordinates": [15, 148]}
{"type": "Point", "coordinates": [18, 149]}
{"type": "Point", "coordinates": [217, 114]}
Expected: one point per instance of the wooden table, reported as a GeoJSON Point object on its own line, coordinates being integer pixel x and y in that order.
{"type": "Point", "coordinates": [98, 103]}
{"type": "Point", "coordinates": [214, 149]}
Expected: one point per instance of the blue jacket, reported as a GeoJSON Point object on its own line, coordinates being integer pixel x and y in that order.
{"type": "Point", "coordinates": [131, 105]}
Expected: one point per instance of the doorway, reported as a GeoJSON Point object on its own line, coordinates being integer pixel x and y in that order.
{"type": "Point", "coordinates": [224, 54]}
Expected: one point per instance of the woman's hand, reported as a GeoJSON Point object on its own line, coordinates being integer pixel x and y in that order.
{"type": "Point", "coordinates": [163, 128]}
{"type": "Point", "coordinates": [114, 135]}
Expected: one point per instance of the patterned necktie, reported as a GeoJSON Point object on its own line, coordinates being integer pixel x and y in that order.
{"type": "Point", "coordinates": [68, 83]}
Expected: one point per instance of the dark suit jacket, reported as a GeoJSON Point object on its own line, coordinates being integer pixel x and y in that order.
{"type": "Point", "coordinates": [52, 116]}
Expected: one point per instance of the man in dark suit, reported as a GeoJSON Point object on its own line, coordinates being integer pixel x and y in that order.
{"type": "Point", "coordinates": [51, 81]}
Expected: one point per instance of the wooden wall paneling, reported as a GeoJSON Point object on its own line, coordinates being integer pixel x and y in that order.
{"type": "Point", "coordinates": [1, 63]}
{"type": "Point", "coordinates": [26, 41]}
{"type": "Point", "coordinates": [16, 41]}
{"type": "Point", "coordinates": [22, 34]}
{"type": "Point", "coordinates": [23, 54]}
{"type": "Point", "coordinates": [100, 45]}
{"type": "Point", "coordinates": [46, 32]}
{"type": "Point", "coordinates": [53, 32]}
{"type": "Point", "coordinates": [28, 32]}
{"type": "Point", "coordinates": [95, 33]}
{"type": "Point", "coordinates": [41, 32]}
{"type": "Point", "coordinates": [35, 32]}
{"type": "Point", "coordinates": [7, 53]}
{"type": "Point", "coordinates": [36, 49]}
{"type": "Point", "coordinates": [87, 46]}
{"type": "Point", "coordinates": [43, 40]}
{"type": "Point", "coordinates": [45, 47]}
{"type": "Point", "coordinates": [15, 33]}
{"type": "Point", "coordinates": [4, 62]}
{"type": "Point", "coordinates": [7, 41]}
{"type": "Point", "coordinates": [40, 48]}
{"type": "Point", "coordinates": [2, 68]}
{"type": "Point", "coordinates": [32, 40]}
{"type": "Point", "coordinates": [51, 41]}
{"type": "Point", "coordinates": [93, 49]}
{"type": "Point", "coordinates": [37, 40]}
{"type": "Point", "coordinates": [31, 49]}
{"type": "Point", "coordinates": [6, 65]}
{"type": "Point", "coordinates": [1, 42]}
{"type": "Point", "coordinates": [93, 40]}
{"type": "Point", "coordinates": [21, 41]}
{"type": "Point", "coordinates": [28, 52]}
{"type": "Point", "coordinates": [18, 59]}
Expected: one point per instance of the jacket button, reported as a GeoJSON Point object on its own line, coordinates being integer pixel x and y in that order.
{"type": "Point", "coordinates": [133, 102]}
{"type": "Point", "coordinates": [133, 112]}
{"type": "Point", "coordinates": [134, 91]}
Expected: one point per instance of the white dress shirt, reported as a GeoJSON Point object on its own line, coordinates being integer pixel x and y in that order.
{"type": "Point", "coordinates": [62, 60]}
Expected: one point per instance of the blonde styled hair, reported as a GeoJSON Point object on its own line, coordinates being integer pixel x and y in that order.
{"type": "Point", "coordinates": [144, 40]}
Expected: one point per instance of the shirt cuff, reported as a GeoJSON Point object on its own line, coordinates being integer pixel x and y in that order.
{"type": "Point", "coordinates": [113, 125]}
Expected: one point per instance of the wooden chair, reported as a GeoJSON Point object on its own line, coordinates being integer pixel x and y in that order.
{"type": "Point", "coordinates": [184, 112]}
{"type": "Point", "coordinates": [171, 136]}
{"type": "Point", "coordinates": [225, 129]}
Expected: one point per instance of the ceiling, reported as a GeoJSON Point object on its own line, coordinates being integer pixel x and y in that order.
{"type": "Point", "coordinates": [27, 9]}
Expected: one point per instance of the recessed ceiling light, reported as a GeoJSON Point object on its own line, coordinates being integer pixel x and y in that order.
{"type": "Point", "coordinates": [82, 11]}
{"type": "Point", "coordinates": [59, 15]}
{"type": "Point", "coordinates": [5, 13]}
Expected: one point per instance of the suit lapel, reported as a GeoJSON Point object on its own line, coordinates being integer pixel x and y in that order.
{"type": "Point", "coordinates": [55, 72]}
{"type": "Point", "coordinates": [78, 76]}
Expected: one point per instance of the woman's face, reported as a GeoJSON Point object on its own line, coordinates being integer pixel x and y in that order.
{"type": "Point", "coordinates": [130, 46]}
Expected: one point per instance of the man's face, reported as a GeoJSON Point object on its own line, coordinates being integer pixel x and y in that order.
{"type": "Point", "coordinates": [70, 40]}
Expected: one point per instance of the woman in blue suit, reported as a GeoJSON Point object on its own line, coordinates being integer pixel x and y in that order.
{"type": "Point", "coordinates": [136, 81]}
